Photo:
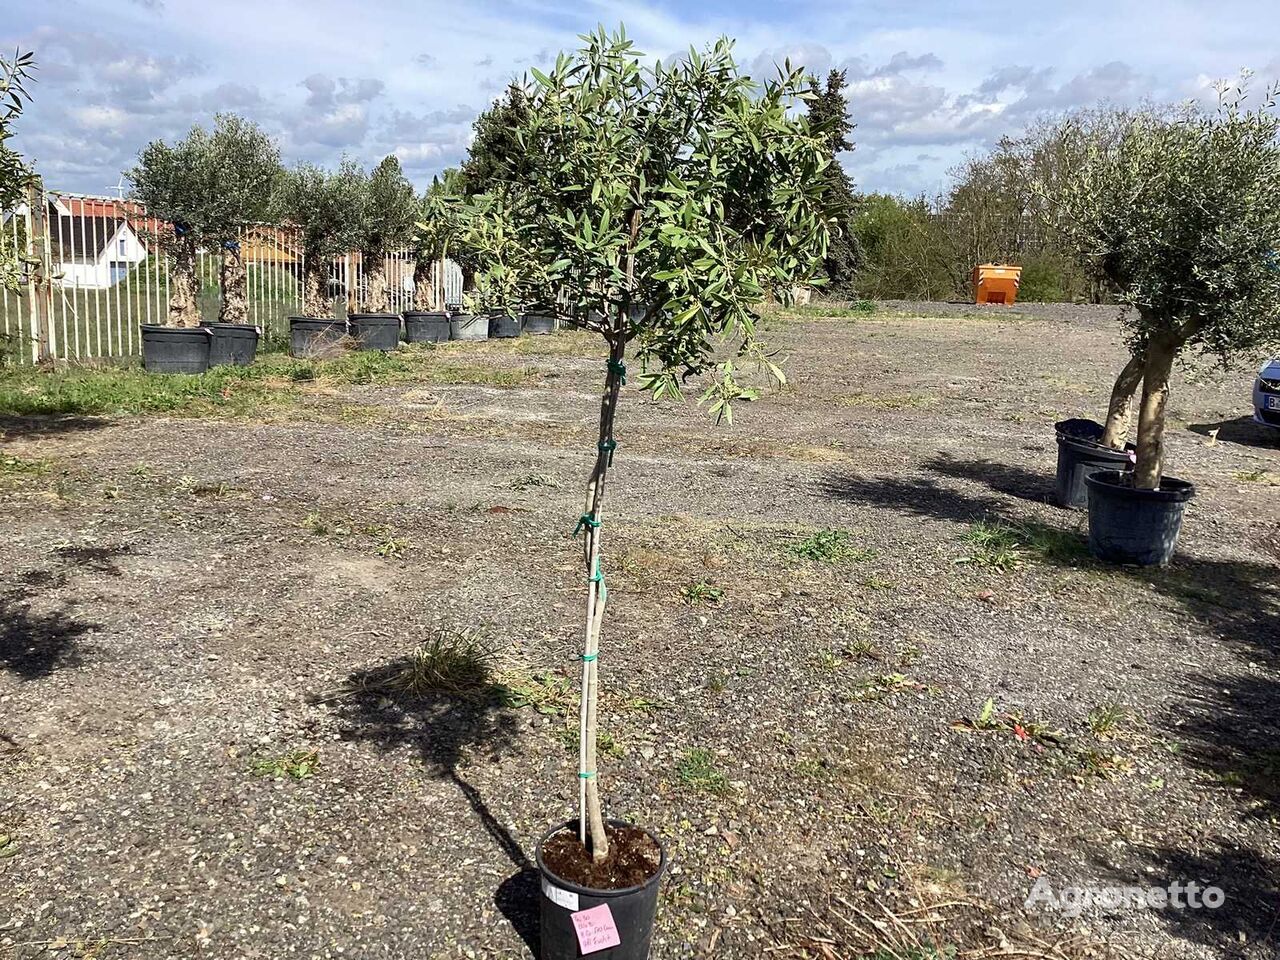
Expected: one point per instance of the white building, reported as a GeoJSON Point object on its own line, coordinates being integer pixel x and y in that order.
{"type": "Point", "coordinates": [92, 244]}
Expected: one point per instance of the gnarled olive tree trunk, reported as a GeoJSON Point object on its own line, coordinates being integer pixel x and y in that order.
{"type": "Point", "coordinates": [375, 280]}
{"type": "Point", "coordinates": [233, 281]}
{"type": "Point", "coordinates": [423, 289]}
{"type": "Point", "coordinates": [1160, 354]}
{"type": "Point", "coordinates": [591, 817]}
{"type": "Point", "coordinates": [184, 287]}
{"type": "Point", "coordinates": [1126, 385]}
{"type": "Point", "coordinates": [315, 289]}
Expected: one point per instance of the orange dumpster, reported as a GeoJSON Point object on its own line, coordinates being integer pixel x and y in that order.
{"type": "Point", "coordinates": [996, 283]}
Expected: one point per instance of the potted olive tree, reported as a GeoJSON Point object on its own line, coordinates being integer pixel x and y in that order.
{"type": "Point", "coordinates": [663, 203]}
{"type": "Point", "coordinates": [436, 229]}
{"type": "Point", "coordinates": [384, 224]}
{"type": "Point", "coordinates": [321, 205]}
{"type": "Point", "coordinates": [244, 170]}
{"type": "Point", "coordinates": [174, 184]}
{"type": "Point", "coordinates": [1182, 213]}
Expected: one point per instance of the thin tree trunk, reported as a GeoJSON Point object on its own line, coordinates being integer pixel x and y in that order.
{"type": "Point", "coordinates": [315, 296]}
{"type": "Point", "coordinates": [375, 274]}
{"type": "Point", "coordinates": [234, 281]}
{"type": "Point", "coordinates": [591, 818]}
{"type": "Point", "coordinates": [1155, 392]}
{"type": "Point", "coordinates": [184, 288]}
{"type": "Point", "coordinates": [1126, 385]}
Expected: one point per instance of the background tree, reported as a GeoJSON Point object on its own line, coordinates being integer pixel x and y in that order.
{"type": "Point", "coordinates": [15, 176]}
{"type": "Point", "coordinates": [384, 223]}
{"type": "Point", "coordinates": [496, 155]}
{"type": "Point", "coordinates": [829, 116]}
{"type": "Point", "coordinates": [662, 204]}
{"type": "Point", "coordinates": [1182, 215]}
{"type": "Point", "coordinates": [244, 172]}
{"type": "Point", "coordinates": [438, 227]}
{"type": "Point", "coordinates": [321, 204]}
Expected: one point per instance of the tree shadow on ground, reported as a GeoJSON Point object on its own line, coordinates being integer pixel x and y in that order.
{"type": "Point", "coordinates": [1242, 430]}
{"type": "Point", "coordinates": [34, 645]}
{"type": "Point", "coordinates": [1007, 478]}
{"type": "Point", "coordinates": [921, 496]}
{"type": "Point", "coordinates": [446, 730]}
{"type": "Point", "coordinates": [36, 427]}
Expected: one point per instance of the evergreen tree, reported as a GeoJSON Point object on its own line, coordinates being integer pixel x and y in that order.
{"type": "Point", "coordinates": [829, 114]}
{"type": "Point", "coordinates": [496, 155]}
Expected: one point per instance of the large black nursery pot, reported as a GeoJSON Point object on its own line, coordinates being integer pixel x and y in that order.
{"type": "Point", "coordinates": [502, 326]}
{"type": "Point", "coordinates": [375, 331]}
{"type": "Point", "coordinates": [175, 349]}
{"type": "Point", "coordinates": [1080, 453]}
{"type": "Point", "coordinates": [1130, 525]}
{"type": "Point", "coordinates": [309, 336]}
{"type": "Point", "coordinates": [235, 344]}
{"type": "Point", "coordinates": [468, 326]}
{"type": "Point", "coordinates": [539, 324]}
{"type": "Point", "coordinates": [634, 909]}
{"type": "Point", "coordinates": [426, 326]}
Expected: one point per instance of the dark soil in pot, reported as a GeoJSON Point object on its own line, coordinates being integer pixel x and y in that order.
{"type": "Point", "coordinates": [504, 327]}
{"type": "Point", "coordinates": [426, 326]}
{"type": "Point", "coordinates": [316, 336]}
{"type": "Point", "coordinates": [375, 331]}
{"type": "Point", "coordinates": [233, 343]}
{"type": "Point", "coordinates": [468, 326]}
{"type": "Point", "coordinates": [1130, 525]}
{"type": "Point", "coordinates": [538, 324]}
{"type": "Point", "coordinates": [175, 349]}
{"type": "Point", "coordinates": [1079, 454]}
{"type": "Point", "coordinates": [626, 883]}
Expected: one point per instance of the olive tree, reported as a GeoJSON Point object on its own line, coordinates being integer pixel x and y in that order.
{"type": "Point", "coordinates": [1181, 213]}
{"type": "Point", "coordinates": [15, 176]}
{"type": "Point", "coordinates": [384, 223]}
{"type": "Point", "coordinates": [660, 205]}
{"type": "Point", "coordinates": [207, 186]}
{"type": "Point", "coordinates": [323, 206]}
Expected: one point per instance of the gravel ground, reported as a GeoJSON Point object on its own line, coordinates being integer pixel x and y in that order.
{"type": "Point", "coordinates": [183, 601]}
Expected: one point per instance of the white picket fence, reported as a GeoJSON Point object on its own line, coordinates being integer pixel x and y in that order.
{"type": "Point", "coordinates": [93, 275]}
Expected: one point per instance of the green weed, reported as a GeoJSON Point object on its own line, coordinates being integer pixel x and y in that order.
{"type": "Point", "coordinates": [830, 546]}
{"type": "Point", "coordinates": [697, 770]}
{"type": "Point", "coordinates": [297, 765]}
{"type": "Point", "coordinates": [701, 592]}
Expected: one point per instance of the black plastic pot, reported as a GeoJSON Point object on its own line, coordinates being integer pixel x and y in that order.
{"type": "Point", "coordinates": [375, 331]}
{"type": "Point", "coordinates": [634, 909]}
{"type": "Point", "coordinates": [426, 326]}
{"type": "Point", "coordinates": [537, 324]}
{"type": "Point", "coordinates": [233, 343]}
{"type": "Point", "coordinates": [468, 326]}
{"type": "Point", "coordinates": [309, 336]}
{"type": "Point", "coordinates": [504, 327]}
{"type": "Point", "coordinates": [175, 349]}
{"type": "Point", "coordinates": [1080, 453]}
{"type": "Point", "coordinates": [1129, 525]}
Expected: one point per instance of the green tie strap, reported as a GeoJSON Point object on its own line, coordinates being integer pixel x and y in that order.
{"type": "Point", "coordinates": [587, 776]}
{"type": "Point", "coordinates": [608, 446]}
{"type": "Point", "coordinates": [588, 657]}
{"type": "Point", "coordinates": [586, 520]}
{"type": "Point", "coordinates": [620, 368]}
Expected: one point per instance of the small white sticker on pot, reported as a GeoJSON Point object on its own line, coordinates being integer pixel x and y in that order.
{"type": "Point", "coordinates": [565, 898]}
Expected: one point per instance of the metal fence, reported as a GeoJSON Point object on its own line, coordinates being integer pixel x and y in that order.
{"type": "Point", "coordinates": [93, 273]}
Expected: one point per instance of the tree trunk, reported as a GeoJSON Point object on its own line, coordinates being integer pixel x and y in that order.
{"type": "Point", "coordinates": [591, 818]}
{"type": "Point", "coordinates": [375, 278]}
{"type": "Point", "coordinates": [315, 295]}
{"type": "Point", "coordinates": [1126, 385]}
{"type": "Point", "coordinates": [1155, 392]}
{"type": "Point", "coordinates": [184, 288]}
{"type": "Point", "coordinates": [234, 281]}
{"type": "Point", "coordinates": [423, 292]}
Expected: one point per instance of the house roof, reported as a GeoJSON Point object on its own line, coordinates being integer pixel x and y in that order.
{"type": "Point", "coordinates": [81, 238]}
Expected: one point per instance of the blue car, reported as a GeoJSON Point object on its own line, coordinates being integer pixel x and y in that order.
{"type": "Point", "coordinates": [1266, 394]}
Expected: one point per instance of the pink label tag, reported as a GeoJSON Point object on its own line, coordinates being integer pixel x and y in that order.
{"type": "Point", "coordinates": [595, 929]}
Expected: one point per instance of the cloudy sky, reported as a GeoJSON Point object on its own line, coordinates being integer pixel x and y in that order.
{"type": "Point", "coordinates": [929, 82]}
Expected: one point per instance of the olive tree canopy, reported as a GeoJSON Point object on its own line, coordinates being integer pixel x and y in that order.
{"type": "Point", "coordinates": [384, 222]}
{"type": "Point", "coordinates": [323, 205]}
